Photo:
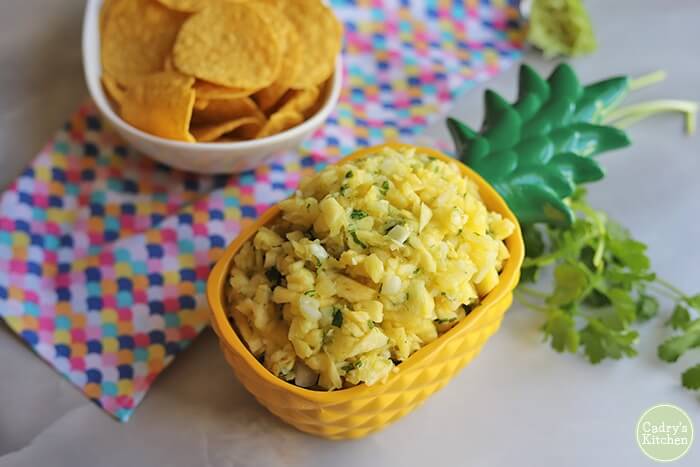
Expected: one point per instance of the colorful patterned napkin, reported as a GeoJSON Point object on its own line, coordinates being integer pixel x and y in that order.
{"type": "Point", "coordinates": [104, 254]}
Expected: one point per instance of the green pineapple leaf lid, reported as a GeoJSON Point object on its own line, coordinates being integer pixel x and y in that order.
{"type": "Point", "coordinates": [537, 150]}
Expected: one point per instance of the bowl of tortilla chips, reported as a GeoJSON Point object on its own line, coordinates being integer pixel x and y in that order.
{"type": "Point", "coordinates": [212, 86]}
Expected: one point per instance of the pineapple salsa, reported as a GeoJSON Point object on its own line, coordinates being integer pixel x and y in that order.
{"type": "Point", "coordinates": [369, 261]}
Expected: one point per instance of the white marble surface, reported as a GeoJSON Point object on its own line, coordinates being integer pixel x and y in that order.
{"type": "Point", "coordinates": [518, 403]}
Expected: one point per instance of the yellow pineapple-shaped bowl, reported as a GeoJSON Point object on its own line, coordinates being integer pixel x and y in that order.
{"type": "Point", "coordinates": [354, 412]}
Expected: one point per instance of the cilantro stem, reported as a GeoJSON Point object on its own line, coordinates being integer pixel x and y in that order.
{"type": "Point", "coordinates": [532, 292]}
{"type": "Point", "coordinates": [676, 292]}
{"type": "Point", "coordinates": [544, 260]}
{"type": "Point", "coordinates": [529, 304]}
{"type": "Point", "coordinates": [663, 291]}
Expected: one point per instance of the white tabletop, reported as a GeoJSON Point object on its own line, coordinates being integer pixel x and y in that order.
{"type": "Point", "coordinates": [518, 403]}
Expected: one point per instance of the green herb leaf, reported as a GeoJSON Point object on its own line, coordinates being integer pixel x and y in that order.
{"type": "Point", "coordinates": [691, 377]}
{"type": "Point", "coordinates": [560, 330]}
{"type": "Point", "coordinates": [647, 308]}
{"type": "Point", "coordinates": [624, 307]}
{"type": "Point", "coordinates": [384, 189]}
{"type": "Point", "coordinates": [679, 318]}
{"type": "Point", "coordinates": [672, 348]}
{"type": "Point", "coordinates": [352, 365]}
{"type": "Point", "coordinates": [694, 301]}
{"type": "Point", "coordinates": [529, 274]}
{"type": "Point", "coordinates": [571, 282]}
{"type": "Point", "coordinates": [599, 342]}
{"type": "Point", "coordinates": [310, 293]}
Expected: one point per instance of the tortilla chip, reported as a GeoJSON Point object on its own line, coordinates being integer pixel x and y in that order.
{"type": "Point", "coordinates": [320, 36]}
{"type": "Point", "coordinates": [212, 132]}
{"type": "Point", "coordinates": [185, 6]}
{"type": "Point", "coordinates": [113, 90]}
{"type": "Point", "coordinates": [138, 36]}
{"type": "Point", "coordinates": [279, 122]}
{"type": "Point", "coordinates": [228, 44]}
{"type": "Point", "coordinates": [300, 101]}
{"type": "Point", "coordinates": [222, 110]}
{"type": "Point", "coordinates": [268, 97]}
{"type": "Point", "coordinates": [207, 90]}
{"type": "Point", "coordinates": [161, 104]}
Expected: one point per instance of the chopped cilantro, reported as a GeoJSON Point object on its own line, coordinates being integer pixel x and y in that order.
{"type": "Point", "coordinates": [353, 234]}
{"type": "Point", "coordinates": [310, 293]}
{"type": "Point", "coordinates": [384, 188]}
{"type": "Point", "coordinates": [337, 318]}
{"type": "Point", "coordinates": [349, 174]}
{"type": "Point", "coordinates": [351, 366]}
{"type": "Point", "coordinates": [358, 214]}
{"type": "Point", "coordinates": [444, 320]}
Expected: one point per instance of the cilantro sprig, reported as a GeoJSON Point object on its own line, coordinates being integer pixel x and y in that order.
{"type": "Point", "coordinates": [603, 287]}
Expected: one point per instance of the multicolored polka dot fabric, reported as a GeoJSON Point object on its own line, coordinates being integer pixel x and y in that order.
{"type": "Point", "coordinates": [104, 254]}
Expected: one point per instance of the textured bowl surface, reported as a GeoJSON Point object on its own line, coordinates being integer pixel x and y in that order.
{"type": "Point", "coordinates": [357, 411]}
{"type": "Point", "coordinates": [206, 158]}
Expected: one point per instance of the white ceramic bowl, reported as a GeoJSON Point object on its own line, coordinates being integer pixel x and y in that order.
{"type": "Point", "coordinates": [206, 158]}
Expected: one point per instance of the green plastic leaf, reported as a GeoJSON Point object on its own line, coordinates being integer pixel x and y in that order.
{"type": "Point", "coordinates": [599, 97]}
{"type": "Point", "coordinates": [561, 27]}
{"type": "Point", "coordinates": [528, 106]}
{"type": "Point", "coordinates": [462, 135]}
{"type": "Point", "coordinates": [503, 132]}
{"type": "Point", "coordinates": [691, 377]}
{"type": "Point", "coordinates": [586, 139]}
{"type": "Point", "coordinates": [536, 203]}
{"type": "Point", "coordinates": [552, 115]}
{"type": "Point", "coordinates": [578, 169]}
{"type": "Point", "coordinates": [564, 84]}
{"type": "Point", "coordinates": [531, 83]}
{"type": "Point", "coordinates": [469, 144]}
{"type": "Point", "coordinates": [535, 152]}
{"type": "Point", "coordinates": [494, 106]}
{"type": "Point", "coordinates": [497, 166]}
